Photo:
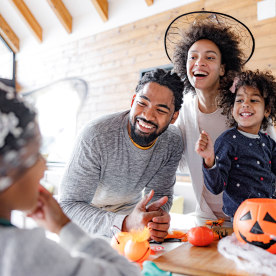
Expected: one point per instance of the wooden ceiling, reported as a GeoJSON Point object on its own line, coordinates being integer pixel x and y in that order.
{"type": "Point", "coordinates": [61, 12]}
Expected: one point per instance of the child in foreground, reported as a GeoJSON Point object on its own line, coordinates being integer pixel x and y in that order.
{"type": "Point", "coordinates": [242, 164]}
{"type": "Point", "coordinates": [28, 251]}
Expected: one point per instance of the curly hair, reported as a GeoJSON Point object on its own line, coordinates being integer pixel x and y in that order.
{"type": "Point", "coordinates": [222, 36]}
{"type": "Point", "coordinates": [164, 78]}
{"type": "Point", "coordinates": [263, 81]}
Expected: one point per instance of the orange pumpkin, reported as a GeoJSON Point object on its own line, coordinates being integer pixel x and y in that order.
{"type": "Point", "coordinates": [137, 251]}
{"type": "Point", "coordinates": [119, 241]}
{"type": "Point", "coordinates": [255, 223]}
{"type": "Point", "coordinates": [200, 236]}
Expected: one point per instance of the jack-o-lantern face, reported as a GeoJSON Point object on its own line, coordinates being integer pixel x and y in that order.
{"type": "Point", "coordinates": [255, 223]}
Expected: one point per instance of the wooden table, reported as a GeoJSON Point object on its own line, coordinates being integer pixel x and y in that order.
{"type": "Point", "coordinates": [185, 259]}
{"type": "Point", "coordinates": [192, 260]}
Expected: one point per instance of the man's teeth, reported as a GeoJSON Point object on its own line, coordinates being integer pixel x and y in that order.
{"type": "Point", "coordinates": [143, 124]}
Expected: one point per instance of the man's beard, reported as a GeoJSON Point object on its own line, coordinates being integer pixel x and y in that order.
{"type": "Point", "coordinates": [141, 139]}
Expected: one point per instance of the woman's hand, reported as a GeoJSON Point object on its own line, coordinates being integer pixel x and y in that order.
{"type": "Point", "coordinates": [48, 213]}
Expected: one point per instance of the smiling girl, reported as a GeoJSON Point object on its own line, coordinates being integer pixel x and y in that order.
{"type": "Point", "coordinates": [242, 164]}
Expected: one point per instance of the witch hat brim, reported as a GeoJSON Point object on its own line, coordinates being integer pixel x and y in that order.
{"type": "Point", "coordinates": [179, 25]}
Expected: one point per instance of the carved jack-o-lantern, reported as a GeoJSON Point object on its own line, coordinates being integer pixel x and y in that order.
{"type": "Point", "coordinates": [255, 223]}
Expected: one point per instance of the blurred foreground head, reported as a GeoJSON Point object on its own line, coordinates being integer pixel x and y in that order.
{"type": "Point", "coordinates": [19, 137]}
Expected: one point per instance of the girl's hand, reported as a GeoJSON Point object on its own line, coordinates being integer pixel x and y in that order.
{"type": "Point", "coordinates": [48, 213]}
{"type": "Point", "coordinates": [205, 148]}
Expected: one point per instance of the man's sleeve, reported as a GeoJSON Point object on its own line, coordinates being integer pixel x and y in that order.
{"type": "Point", "coordinates": [79, 185]}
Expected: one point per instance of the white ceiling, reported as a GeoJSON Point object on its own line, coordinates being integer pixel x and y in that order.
{"type": "Point", "coordinates": [86, 21]}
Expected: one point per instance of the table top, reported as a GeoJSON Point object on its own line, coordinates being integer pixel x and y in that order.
{"type": "Point", "coordinates": [187, 259]}
{"type": "Point", "coordinates": [186, 222]}
{"type": "Point", "coordinates": [182, 258]}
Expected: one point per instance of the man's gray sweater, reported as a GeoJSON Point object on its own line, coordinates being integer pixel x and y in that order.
{"type": "Point", "coordinates": [107, 173]}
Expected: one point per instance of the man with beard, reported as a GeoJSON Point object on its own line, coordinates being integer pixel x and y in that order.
{"type": "Point", "coordinates": [119, 156]}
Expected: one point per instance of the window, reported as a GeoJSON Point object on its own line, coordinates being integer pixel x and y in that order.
{"type": "Point", "coordinates": [7, 68]}
{"type": "Point", "coordinates": [58, 106]}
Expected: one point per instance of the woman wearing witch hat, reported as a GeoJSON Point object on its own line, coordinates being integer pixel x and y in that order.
{"type": "Point", "coordinates": [204, 47]}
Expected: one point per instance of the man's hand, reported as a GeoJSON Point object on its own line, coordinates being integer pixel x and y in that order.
{"type": "Point", "coordinates": [159, 225]}
{"type": "Point", "coordinates": [139, 217]}
{"type": "Point", "coordinates": [48, 213]}
{"type": "Point", "coordinates": [205, 148]}
{"type": "Point", "coordinates": [152, 216]}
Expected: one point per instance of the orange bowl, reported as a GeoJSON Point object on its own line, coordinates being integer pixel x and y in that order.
{"type": "Point", "coordinates": [119, 241]}
{"type": "Point", "coordinates": [137, 251]}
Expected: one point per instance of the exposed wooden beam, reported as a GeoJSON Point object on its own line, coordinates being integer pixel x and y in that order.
{"type": "Point", "coordinates": [8, 35]}
{"type": "Point", "coordinates": [62, 14]}
{"type": "Point", "coordinates": [29, 18]}
{"type": "Point", "coordinates": [102, 8]}
{"type": "Point", "coordinates": [149, 2]}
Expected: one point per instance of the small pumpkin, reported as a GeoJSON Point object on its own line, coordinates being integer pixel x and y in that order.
{"type": "Point", "coordinates": [200, 236]}
{"type": "Point", "coordinates": [137, 251]}
{"type": "Point", "coordinates": [119, 241]}
{"type": "Point", "coordinates": [255, 223]}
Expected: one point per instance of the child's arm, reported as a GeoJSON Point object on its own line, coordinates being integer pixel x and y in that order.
{"type": "Point", "coordinates": [88, 255]}
{"type": "Point", "coordinates": [205, 148]}
{"type": "Point", "coordinates": [216, 178]}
